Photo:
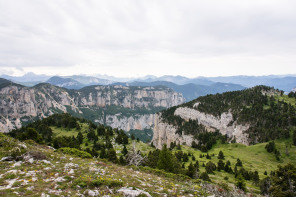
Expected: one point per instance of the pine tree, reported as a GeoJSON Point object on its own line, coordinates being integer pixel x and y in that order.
{"type": "Point", "coordinates": [256, 177]}
{"type": "Point", "coordinates": [220, 155]}
{"type": "Point", "coordinates": [239, 162]}
{"type": "Point", "coordinates": [210, 167]}
{"type": "Point", "coordinates": [80, 137]}
{"type": "Point", "coordinates": [165, 159]}
{"type": "Point", "coordinates": [103, 153]}
{"type": "Point", "coordinates": [240, 182]}
{"type": "Point", "coordinates": [122, 160]}
{"type": "Point", "coordinates": [190, 172]}
{"type": "Point", "coordinates": [185, 157]}
{"type": "Point", "coordinates": [220, 165]}
{"type": "Point", "coordinates": [124, 150]}
{"type": "Point", "coordinates": [112, 155]}
{"type": "Point", "coordinates": [204, 176]}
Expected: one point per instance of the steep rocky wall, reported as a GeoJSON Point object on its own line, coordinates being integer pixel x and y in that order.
{"type": "Point", "coordinates": [165, 133]}
{"type": "Point", "coordinates": [129, 97]}
{"type": "Point", "coordinates": [19, 104]}
{"type": "Point", "coordinates": [136, 122]}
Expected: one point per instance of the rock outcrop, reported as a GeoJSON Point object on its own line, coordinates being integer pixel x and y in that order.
{"type": "Point", "coordinates": [138, 122]}
{"type": "Point", "coordinates": [164, 133]}
{"type": "Point", "coordinates": [102, 104]}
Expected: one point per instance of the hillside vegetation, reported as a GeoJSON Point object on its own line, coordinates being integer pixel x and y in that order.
{"type": "Point", "coordinates": [225, 170]}
{"type": "Point", "coordinates": [270, 114]}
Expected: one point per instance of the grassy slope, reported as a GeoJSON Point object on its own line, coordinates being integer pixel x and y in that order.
{"type": "Point", "coordinates": [33, 179]}
{"type": "Point", "coordinates": [253, 157]}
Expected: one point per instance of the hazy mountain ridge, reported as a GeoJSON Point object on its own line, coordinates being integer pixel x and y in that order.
{"type": "Point", "coordinates": [68, 83]}
{"type": "Point", "coordinates": [190, 91]}
{"type": "Point", "coordinates": [283, 82]}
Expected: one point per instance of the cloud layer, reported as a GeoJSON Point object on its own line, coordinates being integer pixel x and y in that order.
{"type": "Point", "coordinates": [139, 37]}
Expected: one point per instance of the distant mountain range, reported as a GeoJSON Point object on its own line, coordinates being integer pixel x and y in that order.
{"type": "Point", "coordinates": [190, 91]}
{"type": "Point", "coordinates": [286, 82]}
{"type": "Point", "coordinates": [68, 83]}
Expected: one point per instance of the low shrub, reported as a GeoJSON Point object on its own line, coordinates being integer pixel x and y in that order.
{"type": "Point", "coordinates": [74, 152]}
{"type": "Point", "coordinates": [91, 182]}
{"type": "Point", "coordinates": [162, 173]}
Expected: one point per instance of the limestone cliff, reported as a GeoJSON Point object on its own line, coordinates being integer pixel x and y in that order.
{"type": "Point", "coordinates": [103, 104]}
{"type": "Point", "coordinates": [164, 133]}
{"type": "Point", "coordinates": [138, 122]}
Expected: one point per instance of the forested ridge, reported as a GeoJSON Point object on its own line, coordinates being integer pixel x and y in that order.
{"type": "Point", "coordinates": [260, 107]}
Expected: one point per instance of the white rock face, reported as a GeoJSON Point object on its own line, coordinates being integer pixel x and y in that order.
{"type": "Point", "coordinates": [139, 122]}
{"type": "Point", "coordinates": [211, 123]}
{"type": "Point", "coordinates": [20, 104]}
{"type": "Point", "coordinates": [164, 133]}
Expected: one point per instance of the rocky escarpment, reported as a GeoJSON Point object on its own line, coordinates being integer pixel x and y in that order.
{"type": "Point", "coordinates": [249, 116]}
{"type": "Point", "coordinates": [128, 97]}
{"type": "Point", "coordinates": [102, 104]}
{"type": "Point", "coordinates": [164, 133]}
{"type": "Point", "coordinates": [138, 122]}
{"type": "Point", "coordinates": [224, 123]}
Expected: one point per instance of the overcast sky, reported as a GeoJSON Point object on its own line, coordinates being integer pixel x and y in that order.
{"type": "Point", "coordinates": [142, 37]}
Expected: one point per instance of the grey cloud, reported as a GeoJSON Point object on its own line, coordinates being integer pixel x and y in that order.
{"type": "Point", "coordinates": [65, 33]}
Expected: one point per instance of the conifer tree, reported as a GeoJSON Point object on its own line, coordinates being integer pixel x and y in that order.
{"type": "Point", "coordinates": [80, 137]}
{"type": "Point", "coordinates": [190, 172]}
{"type": "Point", "coordinates": [240, 182]}
{"type": "Point", "coordinates": [124, 150]}
{"type": "Point", "coordinates": [165, 160]}
{"type": "Point", "coordinates": [220, 155]}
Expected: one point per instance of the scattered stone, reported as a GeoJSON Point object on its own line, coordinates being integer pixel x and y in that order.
{"type": "Point", "coordinates": [71, 165]}
{"type": "Point", "coordinates": [46, 162]}
{"type": "Point", "coordinates": [129, 192]}
{"type": "Point", "coordinates": [45, 195]}
{"type": "Point", "coordinates": [59, 179]}
{"type": "Point", "coordinates": [31, 173]}
{"type": "Point", "coordinates": [19, 163]}
{"type": "Point", "coordinates": [9, 185]}
{"type": "Point", "coordinates": [9, 158]}
{"type": "Point", "coordinates": [31, 160]}
{"type": "Point", "coordinates": [93, 193]}
{"type": "Point", "coordinates": [23, 146]}
{"type": "Point", "coordinates": [71, 171]}
{"type": "Point", "coordinates": [13, 171]}
{"type": "Point", "coordinates": [30, 188]}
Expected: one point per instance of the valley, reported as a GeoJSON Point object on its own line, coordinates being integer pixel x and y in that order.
{"type": "Point", "coordinates": [228, 144]}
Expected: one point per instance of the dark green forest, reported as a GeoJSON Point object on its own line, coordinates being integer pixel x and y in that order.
{"type": "Point", "coordinates": [260, 107]}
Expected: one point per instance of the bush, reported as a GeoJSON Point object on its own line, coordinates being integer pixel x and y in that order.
{"type": "Point", "coordinates": [75, 152]}
{"type": "Point", "coordinates": [204, 176]}
{"type": "Point", "coordinates": [92, 182]}
{"type": "Point", "coordinates": [162, 173]}
{"type": "Point", "coordinates": [37, 155]}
